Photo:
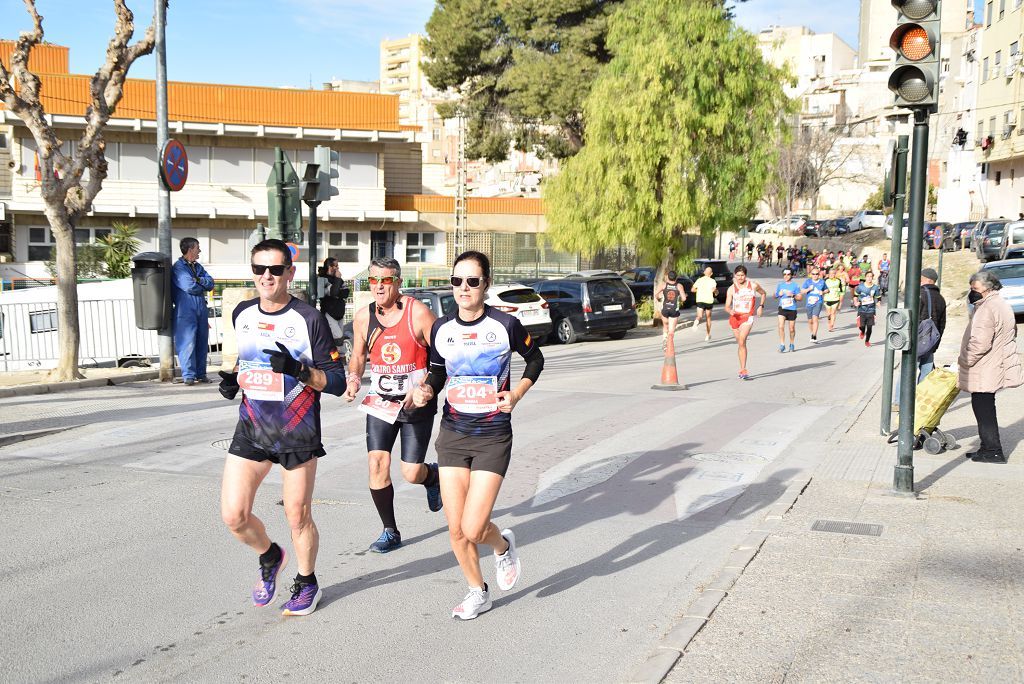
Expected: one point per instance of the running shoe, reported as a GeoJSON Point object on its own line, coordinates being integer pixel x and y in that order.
{"type": "Point", "coordinates": [507, 567]}
{"type": "Point", "coordinates": [782, 348]}
{"type": "Point", "coordinates": [304, 600]}
{"type": "Point", "coordinates": [744, 375]}
{"type": "Point", "coordinates": [266, 588]}
{"type": "Point", "coordinates": [477, 601]}
{"type": "Point", "coordinates": [434, 502]}
{"type": "Point", "coordinates": [389, 540]}
{"type": "Point", "coordinates": [866, 343]}
{"type": "Point", "coordinates": [707, 338]}
{"type": "Point", "coordinates": [792, 348]}
{"type": "Point", "coordinates": [814, 340]}
{"type": "Point", "coordinates": [862, 334]}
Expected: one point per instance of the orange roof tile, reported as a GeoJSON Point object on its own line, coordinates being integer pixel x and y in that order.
{"type": "Point", "coordinates": [45, 58]}
{"type": "Point", "coordinates": [444, 204]}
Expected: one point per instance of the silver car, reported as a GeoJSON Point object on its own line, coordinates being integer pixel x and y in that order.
{"type": "Point", "coordinates": [1013, 241]}
{"type": "Point", "coordinates": [1011, 274]}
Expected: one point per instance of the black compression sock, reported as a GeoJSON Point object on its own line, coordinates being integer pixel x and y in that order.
{"type": "Point", "coordinates": [271, 556]}
{"type": "Point", "coordinates": [431, 479]}
{"type": "Point", "coordinates": [306, 579]}
{"type": "Point", "coordinates": [867, 333]}
{"type": "Point", "coordinates": [384, 500]}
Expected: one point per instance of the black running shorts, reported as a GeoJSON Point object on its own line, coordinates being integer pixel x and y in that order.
{"type": "Point", "coordinates": [476, 452]}
{"type": "Point", "coordinates": [381, 436]}
{"type": "Point", "coordinates": [707, 306]}
{"type": "Point", "coordinates": [866, 319]}
{"type": "Point", "coordinates": [788, 314]}
{"type": "Point", "coordinates": [674, 313]}
{"type": "Point", "coordinates": [290, 460]}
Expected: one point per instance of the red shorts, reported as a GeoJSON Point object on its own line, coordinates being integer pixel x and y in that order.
{"type": "Point", "coordinates": [736, 320]}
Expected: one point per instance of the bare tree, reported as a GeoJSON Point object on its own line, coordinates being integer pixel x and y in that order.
{"type": "Point", "coordinates": [820, 156]}
{"type": "Point", "coordinates": [69, 185]}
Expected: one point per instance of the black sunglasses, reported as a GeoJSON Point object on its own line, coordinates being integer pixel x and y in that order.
{"type": "Point", "coordinates": [276, 270]}
{"type": "Point", "coordinates": [472, 281]}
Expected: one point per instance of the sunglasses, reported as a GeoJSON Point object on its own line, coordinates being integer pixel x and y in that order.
{"type": "Point", "coordinates": [276, 270]}
{"type": "Point", "coordinates": [472, 281]}
{"type": "Point", "coordinates": [385, 280]}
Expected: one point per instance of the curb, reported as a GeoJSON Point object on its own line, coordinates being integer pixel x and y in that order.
{"type": "Point", "coordinates": [6, 440]}
{"type": "Point", "coordinates": [672, 646]}
{"type": "Point", "coordinates": [55, 387]}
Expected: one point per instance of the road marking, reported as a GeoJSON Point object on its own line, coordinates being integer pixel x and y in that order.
{"type": "Point", "coordinates": [727, 473]}
{"type": "Point", "coordinates": [601, 461]}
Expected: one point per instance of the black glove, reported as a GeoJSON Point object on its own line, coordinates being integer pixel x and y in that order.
{"type": "Point", "coordinates": [281, 361]}
{"type": "Point", "coordinates": [228, 384]}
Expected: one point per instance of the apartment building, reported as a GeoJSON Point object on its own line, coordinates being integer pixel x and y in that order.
{"type": "Point", "coordinates": [1000, 109]}
{"type": "Point", "coordinates": [230, 133]}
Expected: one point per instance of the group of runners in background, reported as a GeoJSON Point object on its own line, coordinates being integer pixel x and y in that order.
{"type": "Point", "coordinates": [822, 292]}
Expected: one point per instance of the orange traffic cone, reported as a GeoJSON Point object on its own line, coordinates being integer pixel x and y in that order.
{"type": "Point", "coordinates": [669, 375]}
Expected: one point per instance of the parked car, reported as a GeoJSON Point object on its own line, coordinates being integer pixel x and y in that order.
{"type": "Point", "coordinates": [640, 281]}
{"type": "Point", "coordinates": [769, 226]}
{"type": "Point", "coordinates": [719, 271]}
{"type": "Point", "coordinates": [1011, 274]}
{"type": "Point", "coordinates": [523, 302]}
{"type": "Point", "coordinates": [588, 303]}
{"type": "Point", "coordinates": [1013, 241]}
{"type": "Point", "coordinates": [889, 223]}
{"type": "Point", "coordinates": [945, 230]}
{"type": "Point", "coordinates": [962, 233]}
{"type": "Point", "coordinates": [832, 227]}
{"type": "Point", "coordinates": [438, 299]}
{"type": "Point", "coordinates": [988, 239]}
{"type": "Point", "coordinates": [867, 218]}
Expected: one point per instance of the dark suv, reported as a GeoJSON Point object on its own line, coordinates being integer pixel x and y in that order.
{"type": "Point", "coordinates": [438, 299]}
{"type": "Point", "coordinates": [988, 239]}
{"type": "Point", "coordinates": [719, 271]}
{"type": "Point", "coordinates": [588, 303]}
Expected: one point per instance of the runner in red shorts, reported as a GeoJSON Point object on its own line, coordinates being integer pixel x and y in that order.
{"type": "Point", "coordinates": [739, 304]}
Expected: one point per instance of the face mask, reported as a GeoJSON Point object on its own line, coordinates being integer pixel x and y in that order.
{"type": "Point", "coordinates": [974, 297]}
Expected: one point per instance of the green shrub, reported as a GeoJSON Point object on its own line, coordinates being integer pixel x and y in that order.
{"type": "Point", "coordinates": [645, 309]}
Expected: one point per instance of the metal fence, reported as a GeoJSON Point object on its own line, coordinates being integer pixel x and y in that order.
{"type": "Point", "coordinates": [29, 336]}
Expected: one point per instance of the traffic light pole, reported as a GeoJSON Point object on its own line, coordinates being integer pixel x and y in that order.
{"type": "Point", "coordinates": [282, 195]}
{"type": "Point", "coordinates": [311, 285]}
{"type": "Point", "coordinates": [903, 477]}
{"type": "Point", "coordinates": [165, 337]}
{"type": "Point", "coordinates": [899, 202]}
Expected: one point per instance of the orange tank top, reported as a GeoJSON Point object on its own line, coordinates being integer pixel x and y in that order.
{"type": "Point", "coordinates": [398, 361]}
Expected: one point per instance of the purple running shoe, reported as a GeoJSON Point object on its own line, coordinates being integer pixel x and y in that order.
{"type": "Point", "coordinates": [266, 588]}
{"type": "Point", "coordinates": [304, 600]}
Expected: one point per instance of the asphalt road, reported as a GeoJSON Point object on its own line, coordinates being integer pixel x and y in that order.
{"type": "Point", "coordinates": [624, 501]}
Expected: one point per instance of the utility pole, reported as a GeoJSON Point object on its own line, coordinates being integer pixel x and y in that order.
{"type": "Point", "coordinates": [899, 185]}
{"type": "Point", "coordinates": [460, 188]}
{"type": "Point", "coordinates": [163, 221]}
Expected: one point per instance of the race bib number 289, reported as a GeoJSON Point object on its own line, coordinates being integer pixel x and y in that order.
{"type": "Point", "coordinates": [260, 382]}
{"type": "Point", "coordinates": [473, 393]}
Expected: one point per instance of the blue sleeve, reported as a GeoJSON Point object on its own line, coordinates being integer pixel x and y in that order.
{"type": "Point", "coordinates": [183, 279]}
{"type": "Point", "coordinates": [205, 280]}
{"type": "Point", "coordinates": [325, 355]}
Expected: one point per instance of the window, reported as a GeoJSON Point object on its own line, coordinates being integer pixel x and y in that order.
{"type": "Point", "coordinates": [138, 162]}
{"type": "Point", "coordinates": [437, 134]}
{"type": "Point", "coordinates": [1002, 8]}
{"type": "Point", "coordinates": [421, 248]}
{"type": "Point", "coordinates": [981, 133]}
{"type": "Point", "coordinates": [3, 141]}
{"type": "Point", "coordinates": [231, 165]}
{"type": "Point", "coordinates": [984, 70]}
{"type": "Point", "coordinates": [198, 164]}
{"type": "Point", "coordinates": [999, 177]}
{"type": "Point", "coordinates": [357, 170]}
{"type": "Point", "coordinates": [998, 60]}
{"type": "Point", "coordinates": [344, 247]}
{"type": "Point", "coordinates": [40, 242]}
{"type": "Point", "coordinates": [42, 321]}
{"type": "Point", "coordinates": [988, 14]}
{"type": "Point", "coordinates": [992, 126]}
{"type": "Point", "coordinates": [112, 152]}
{"type": "Point", "coordinates": [1014, 48]}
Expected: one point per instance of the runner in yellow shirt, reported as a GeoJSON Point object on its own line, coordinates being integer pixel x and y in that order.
{"type": "Point", "coordinates": [705, 289]}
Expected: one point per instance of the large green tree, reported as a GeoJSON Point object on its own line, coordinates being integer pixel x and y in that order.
{"type": "Point", "coordinates": [522, 69]}
{"type": "Point", "coordinates": [682, 133]}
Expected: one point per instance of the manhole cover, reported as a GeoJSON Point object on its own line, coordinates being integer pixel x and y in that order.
{"type": "Point", "coordinates": [847, 527]}
{"type": "Point", "coordinates": [221, 444]}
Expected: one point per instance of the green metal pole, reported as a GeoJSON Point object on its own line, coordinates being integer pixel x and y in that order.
{"type": "Point", "coordinates": [938, 283]}
{"type": "Point", "coordinates": [311, 285]}
{"type": "Point", "coordinates": [903, 477]}
{"type": "Point", "coordinates": [899, 201]}
{"type": "Point", "coordinates": [282, 219]}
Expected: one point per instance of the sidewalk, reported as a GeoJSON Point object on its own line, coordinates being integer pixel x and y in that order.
{"type": "Point", "coordinates": [937, 595]}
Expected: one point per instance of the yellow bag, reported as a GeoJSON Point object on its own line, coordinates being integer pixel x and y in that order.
{"type": "Point", "coordinates": [934, 395]}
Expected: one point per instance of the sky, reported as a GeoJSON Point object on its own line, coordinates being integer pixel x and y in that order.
{"type": "Point", "coordinates": [302, 42]}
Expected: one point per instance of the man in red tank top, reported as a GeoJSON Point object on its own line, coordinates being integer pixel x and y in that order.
{"type": "Point", "coordinates": [743, 309]}
{"type": "Point", "coordinates": [394, 332]}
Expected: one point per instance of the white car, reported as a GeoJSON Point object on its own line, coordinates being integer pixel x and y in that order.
{"type": "Point", "coordinates": [867, 218]}
{"type": "Point", "coordinates": [888, 226]}
{"type": "Point", "coordinates": [523, 302]}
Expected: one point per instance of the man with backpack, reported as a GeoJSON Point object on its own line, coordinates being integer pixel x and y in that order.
{"type": "Point", "coordinates": [933, 309]}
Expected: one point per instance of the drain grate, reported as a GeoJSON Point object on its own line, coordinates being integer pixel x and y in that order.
{"type": "Point", "coordinates": [847, 527]}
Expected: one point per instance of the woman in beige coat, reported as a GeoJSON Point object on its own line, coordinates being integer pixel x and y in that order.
{"type": "Point", "coordinates": [989, 361]}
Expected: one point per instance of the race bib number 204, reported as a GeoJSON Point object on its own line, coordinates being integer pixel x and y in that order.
{"type": "Point", "coordinates": [473, 393]}
{"type": "Point", "coordinates": [260, 382]}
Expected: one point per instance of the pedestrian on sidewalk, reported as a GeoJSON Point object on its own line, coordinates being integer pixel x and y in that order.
{"type": "Point", "coordinates": [332, 293]}
{"type": "Point", "coordinates": [933, 308]}
{"type": "Point", "coordinates": [189, 284]}
{"type": "Point", "coordinates": [989, 361]}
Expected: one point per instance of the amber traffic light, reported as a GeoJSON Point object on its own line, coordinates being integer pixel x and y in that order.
{"type": "Point", "coordinates": [915, 80]}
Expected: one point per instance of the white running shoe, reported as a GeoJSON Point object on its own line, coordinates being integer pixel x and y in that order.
{"type": "Point", "coordinates": [707, 338]}
{"type": "Point", "coordinates": [507, 567]}
{"type": "Point", "coordinates": [477, 601]}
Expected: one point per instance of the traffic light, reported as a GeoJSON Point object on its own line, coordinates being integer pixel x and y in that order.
{"type": "Point", "coordinates": [328, 160]}
{"type": "Point", "coordinates": [311, 182]}
{"type": "Point", "coordinates": [897, 329]}
{"type": "Point", "coordinates": [915, 81]}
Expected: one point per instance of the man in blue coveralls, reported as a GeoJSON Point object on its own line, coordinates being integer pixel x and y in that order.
{"type": "Point", "coordinates": [190, 283]}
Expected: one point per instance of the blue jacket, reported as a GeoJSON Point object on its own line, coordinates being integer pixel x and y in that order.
{"type": "Point", "coordinates": [189, 284]}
